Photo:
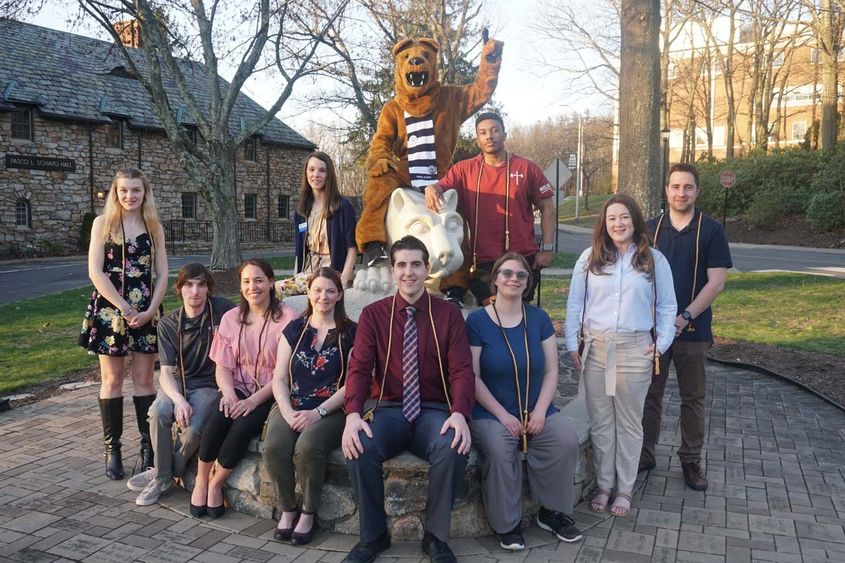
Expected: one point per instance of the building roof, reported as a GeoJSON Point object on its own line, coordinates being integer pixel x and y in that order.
{"type": "Point", "coordinates": [73, 77]}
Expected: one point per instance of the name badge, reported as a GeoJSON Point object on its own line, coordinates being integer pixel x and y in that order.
{"type": "Point", "coordinates": [303, 227]}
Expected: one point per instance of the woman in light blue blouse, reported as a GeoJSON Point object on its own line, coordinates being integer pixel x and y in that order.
{"type": "Point", "coordinates": [622, 303]}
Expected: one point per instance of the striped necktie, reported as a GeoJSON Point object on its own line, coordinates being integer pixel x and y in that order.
{"type": "Point", "coordinates": [410, 369]}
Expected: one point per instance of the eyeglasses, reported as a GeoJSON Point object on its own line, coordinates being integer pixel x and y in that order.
{"type": "Point", "coordinates": [521, 275]}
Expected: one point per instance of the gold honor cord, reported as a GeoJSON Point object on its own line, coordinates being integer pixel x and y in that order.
{"type": "Point", "coordinates": [507, 210]}
{"type": "Point", "coordinates": [690, 327]}
{"type": "Point", "coordinates": [368, 415]}
{"type": "Point", "coordinates": [179, 341]}
{"type": "Point", "coordinates": [519, 402]}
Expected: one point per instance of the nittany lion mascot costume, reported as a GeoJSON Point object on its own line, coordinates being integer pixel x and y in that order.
{"type": "Point", "coordinates": [418, 131]}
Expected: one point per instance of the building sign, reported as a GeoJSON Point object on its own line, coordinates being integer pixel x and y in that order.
{"type": "Point", "coordinates": [29, 162]}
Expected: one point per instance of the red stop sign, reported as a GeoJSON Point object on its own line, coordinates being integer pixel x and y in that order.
{"type": "Point", "coordinates": [727, 179]}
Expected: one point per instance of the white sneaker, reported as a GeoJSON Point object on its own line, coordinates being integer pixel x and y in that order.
{"type": "Point", "coordinates": [152, 492]}
{"type": "Point", "coordinates": [139, 481]}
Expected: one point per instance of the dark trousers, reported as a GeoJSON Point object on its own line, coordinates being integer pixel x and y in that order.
{"type": "Point", "coordinates": [392, 435]}
{"type": "Point", "coordinates": [688, 358]}
{"type": "Point", "coordinates": [226, 439]}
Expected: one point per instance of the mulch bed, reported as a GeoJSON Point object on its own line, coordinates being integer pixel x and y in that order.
{"type": "Point", "coordinates": [791, 231]}
{"type": "Point", "coordinates": [820, 372]}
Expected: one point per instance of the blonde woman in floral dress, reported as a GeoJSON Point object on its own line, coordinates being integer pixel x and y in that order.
{"type": "Point", "coordinates": [127, 264]}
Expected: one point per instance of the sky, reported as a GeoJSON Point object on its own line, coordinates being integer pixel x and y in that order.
{"type": "Point", "coordinates": [525, 92]}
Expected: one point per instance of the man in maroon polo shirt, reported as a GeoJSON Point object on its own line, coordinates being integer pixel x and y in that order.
{"type": "Point", "coordinates": [412, 366]}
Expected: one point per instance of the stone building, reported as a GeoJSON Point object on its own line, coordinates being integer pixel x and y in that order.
{"type": "Point", "coordinates": [71, 114]}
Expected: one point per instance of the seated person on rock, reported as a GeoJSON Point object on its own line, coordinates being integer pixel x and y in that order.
{"type": "Point", "coordinates": [244, 350]}
{"type": "Point", "coordinates": [308, 386]}
{"type": "Point", "coordinates": [497, 195]}
{"type": "Point", "coordinates": [188, 390]}
{"type": "Point", "coordinates": [412, 361]}
{"type": "Point", "coordinates": [515, 359]}
{"type": "Point", "coordinates": [325, 227]}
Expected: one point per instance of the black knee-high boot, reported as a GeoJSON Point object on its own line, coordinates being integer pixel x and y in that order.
{"type": "Point", "coordinates": [142, 405]}
{"type": "Point", "coordinates": [111, 411]}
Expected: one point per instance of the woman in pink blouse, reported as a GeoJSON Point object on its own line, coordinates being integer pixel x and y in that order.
{"type": "Point", "coordinates": [244, 350]}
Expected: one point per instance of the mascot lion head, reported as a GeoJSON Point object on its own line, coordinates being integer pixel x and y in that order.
{"type": "Point", "coordinates": [417, 84]}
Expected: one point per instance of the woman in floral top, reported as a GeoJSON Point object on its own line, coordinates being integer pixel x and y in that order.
{"type": "Point", "coordinates": [127, 248]}
{"type": "Point", "coordinates": [308, 386]}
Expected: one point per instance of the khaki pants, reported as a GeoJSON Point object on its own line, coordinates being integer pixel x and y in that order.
{"type": "Point", "coordinates": [616, 376]}
{"type": "Point", "coordinates": [688, 358]}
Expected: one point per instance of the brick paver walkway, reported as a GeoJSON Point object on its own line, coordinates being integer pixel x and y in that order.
{"type": "Point", "coordinates": [774, 457]}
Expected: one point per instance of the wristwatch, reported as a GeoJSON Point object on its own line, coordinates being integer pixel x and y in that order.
{"type": "Point", "coordinates": [322, 412]}
{"type": "Point", "coordinates": [686, 316]}
{"type": "Point", "coordinates": [547, 246]}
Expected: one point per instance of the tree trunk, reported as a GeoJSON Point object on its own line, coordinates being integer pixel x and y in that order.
{"type": "Point", "coordinates": [830, 112]}
{"type": "Point", "coordinates": [226, 248]}
{"type": "Point", "coordinates": [639, 103]}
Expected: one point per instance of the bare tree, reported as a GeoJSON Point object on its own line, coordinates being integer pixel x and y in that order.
{"type": "Point", "coordinates": [356, 52]}
{"type": "Point", "coordinates": [827, 23]}
{"type": "Point", "coordinates": [252, 38]}
{"type": "Point", "coordinates": [639, 103]}
{"type": "Point", "coordinates": [590, 41]}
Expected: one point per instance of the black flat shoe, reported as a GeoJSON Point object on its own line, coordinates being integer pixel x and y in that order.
{"type": "Point", "coordinates": [284, 534]}
{"type": "Point", "coordinates": [215, 511]}
{"type": "Point", "coordinates": [304, 538]}
{"type": "Point", "coordinates": [197, 511]}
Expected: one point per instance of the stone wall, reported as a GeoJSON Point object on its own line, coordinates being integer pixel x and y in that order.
{"type": "Point", "coordinates": [59, 200]}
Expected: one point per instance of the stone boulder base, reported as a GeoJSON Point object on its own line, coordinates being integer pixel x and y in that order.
{"type": "Point", "coordinates": [406, 486]}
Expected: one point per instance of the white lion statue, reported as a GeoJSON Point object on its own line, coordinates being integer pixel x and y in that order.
{"type": "Point", "coordinates": [442, 233]}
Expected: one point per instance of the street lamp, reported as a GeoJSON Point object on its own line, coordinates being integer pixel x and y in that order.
{"type": "Point", "coordinates": [664, 135]}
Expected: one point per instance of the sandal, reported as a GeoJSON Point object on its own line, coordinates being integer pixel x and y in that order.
{"type": "Point", "coordinates": [600, 500]}
{"type": "Point", "coordinates": [621, 504]}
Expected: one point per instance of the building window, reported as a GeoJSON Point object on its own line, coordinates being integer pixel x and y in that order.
{"type": "Point", "coordinates": [22, 125]}
{"type": "Point", "coordinates": [115, 134]}
{"type": "Point", "coordinates": [189, 205]}
{"type": "Point", "coordinates": [799, 130]}
{"type": "Point", "coordinates": [284, 206]}
{"type": "Point", "coordinates": [251, 149]}
{"type": "Point", "coordinates": [250, 206]}
{"type": "Point", "coordinates": [23, 213]}
{"type": "Point", "coordinates": [191, 133]}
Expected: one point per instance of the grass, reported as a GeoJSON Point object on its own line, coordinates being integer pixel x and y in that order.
{"type": "Point", "coordinates": [38, 336]}
{"type": "Point", "coordinates": [567, 209]}
{"type": "Point", "coordinates": [282, 262]}
{"type": "Point", "coordinates": [797, 311]}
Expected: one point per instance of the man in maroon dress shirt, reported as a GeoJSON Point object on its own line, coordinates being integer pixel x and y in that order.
{"type": "Point", "coordinates": [402, 366]}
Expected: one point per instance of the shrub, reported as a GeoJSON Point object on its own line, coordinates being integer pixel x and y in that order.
{"type": "Point", "coordinates": [85, 230]}
{"type": "Point", "coordinates": [826, 208]}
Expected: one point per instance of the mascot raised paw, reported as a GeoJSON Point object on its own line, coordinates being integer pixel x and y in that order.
{"type": "Point", "coordinates": [442, 233]}
{"type": "Point", "coordinates": [417, 132]}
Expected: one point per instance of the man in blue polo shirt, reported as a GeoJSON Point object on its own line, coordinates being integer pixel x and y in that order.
{"type": "Point", "coordinates": [698, 253]}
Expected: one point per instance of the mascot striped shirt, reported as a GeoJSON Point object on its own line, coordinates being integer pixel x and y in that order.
{"type": "Point", "coordinates": [422, 159]}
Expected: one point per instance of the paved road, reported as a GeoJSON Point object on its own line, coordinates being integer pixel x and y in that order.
{"type": "Point", "coordinates": [773, 454]}
{"type": "Point", "coordinates": [33, 278]}
{"type": "Point", "coordinates": [748, 257]}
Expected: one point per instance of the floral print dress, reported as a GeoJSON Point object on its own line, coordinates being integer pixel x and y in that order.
{"type": "Point", "coordinates": [316, 374]}
{"type": "Point", "coordinates": [104, 330]}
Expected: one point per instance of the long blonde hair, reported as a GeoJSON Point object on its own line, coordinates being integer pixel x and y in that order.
{"type": "Point", "coordinates": [113, 210]}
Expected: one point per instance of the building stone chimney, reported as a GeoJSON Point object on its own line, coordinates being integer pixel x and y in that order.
{"type": "Point", "coordinates": [129, 32]}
